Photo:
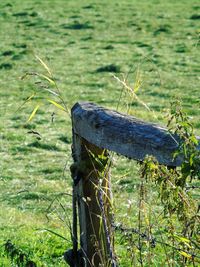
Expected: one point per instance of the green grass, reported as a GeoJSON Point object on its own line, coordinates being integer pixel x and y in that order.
{"type": "Point", "coordinates": [83, 43]}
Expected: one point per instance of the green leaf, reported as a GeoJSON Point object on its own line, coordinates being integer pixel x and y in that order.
{"type": "Point", "coordinates": [194, 140]}
{"type": "Point", "coordinates": [33, 113]}
{"type": "Point", "coordinates": [185, 240]}
{"type": "Point", "coordinates": [56, 104]}
{"type": "Point", "coordinates": [46, 78]}
{"type": "Point", "coordinates": [186, 255]}
{"type": "Point", "coordinates": [43, 64]}
{"type": "Point", "coordinates": [191, 159]}
{"type": "Point", "coordinates": [30, 97]}
{"type": "Point", "coordinates": [51, 91]}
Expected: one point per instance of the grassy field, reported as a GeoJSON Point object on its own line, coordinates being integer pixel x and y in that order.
{"type": "Point", "coordinates": [84, 43]}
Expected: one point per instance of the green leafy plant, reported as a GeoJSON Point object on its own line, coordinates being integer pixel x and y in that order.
{"type": "Point", "coordinates": [17, 255]}
{"type": "Point", "coordinates": [174, 186]}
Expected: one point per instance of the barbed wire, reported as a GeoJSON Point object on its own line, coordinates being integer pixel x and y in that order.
{"type": "Point", "coordinates": [153, 241]}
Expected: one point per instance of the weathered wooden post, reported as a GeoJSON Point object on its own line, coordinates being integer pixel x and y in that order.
{"type": "Point", "coordinates": [92, 189]}
{"type": "Point", "coordinates": [96, 130]}
{"type": "Point", "coordinates": [92, 193]}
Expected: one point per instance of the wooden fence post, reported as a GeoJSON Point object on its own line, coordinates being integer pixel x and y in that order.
{"type": "Point", "coordinates": [96, 129]}
{"type": "Point", "coordinates": [90, 173]}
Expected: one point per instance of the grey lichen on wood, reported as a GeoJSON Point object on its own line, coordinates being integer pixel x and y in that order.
{"type": "Point", "coordinates": [124, 134]}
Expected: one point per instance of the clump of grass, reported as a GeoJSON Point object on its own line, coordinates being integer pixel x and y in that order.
{"type": "Point", "coordinates": [43, 88]}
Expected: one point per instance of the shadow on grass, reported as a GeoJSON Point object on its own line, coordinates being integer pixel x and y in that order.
{"type": "Point", "coordinates": [65, 139]}
{"type": "Point", "coordinates": [77, 26]}
{"type": "Point", "coordinates": [17, 199]}
{"type": "Point", "coordinates": [37, 144]}
{"type": "Point", "coordinates": [51, 170]}
{"type": "Point", "coordinates": [6, 66]}
{"type": "Point", "coordinates": [162, 29]}
{"type": "Point", "coordinates": [109, 68]}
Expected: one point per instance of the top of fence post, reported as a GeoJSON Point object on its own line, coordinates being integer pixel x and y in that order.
{"type": "Point", "coordinates": [124, 134]}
